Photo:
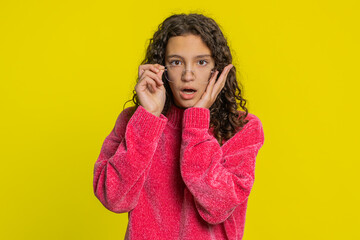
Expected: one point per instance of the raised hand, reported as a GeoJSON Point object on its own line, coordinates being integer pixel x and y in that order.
{"type": "Point", "coordinates": [213, 88]}
{"type": "Point", "coordinates": [150, 88]}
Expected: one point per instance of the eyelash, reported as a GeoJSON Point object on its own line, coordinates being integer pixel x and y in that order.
{"type": "Point", "coordinates": [206, 62]}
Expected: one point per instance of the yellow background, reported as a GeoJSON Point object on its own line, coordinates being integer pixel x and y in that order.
{"type": "Point", "coordinates": [67, 68]}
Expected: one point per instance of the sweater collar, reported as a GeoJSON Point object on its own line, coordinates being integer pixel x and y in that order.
{"type": "Point", "coordinates": [175, 115]}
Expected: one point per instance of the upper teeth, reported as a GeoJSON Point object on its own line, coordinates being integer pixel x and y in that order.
{"type": "Point", "coordinates": [188, 91]}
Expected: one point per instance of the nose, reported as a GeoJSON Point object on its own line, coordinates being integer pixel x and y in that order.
{"type": "Point", "coordinates": [188, 75]}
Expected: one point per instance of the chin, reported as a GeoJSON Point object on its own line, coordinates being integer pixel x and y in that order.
{"type": "Point", "coordinates": [188, 104]}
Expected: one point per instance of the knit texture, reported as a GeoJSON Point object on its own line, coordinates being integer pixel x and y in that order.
{"type": "Point", "coordinates": [173, 178]}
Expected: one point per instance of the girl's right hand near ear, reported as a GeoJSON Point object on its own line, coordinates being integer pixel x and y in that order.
{"type": "Point", "coordinates": [150, 88]}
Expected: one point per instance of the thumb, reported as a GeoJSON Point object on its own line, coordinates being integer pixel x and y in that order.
{"type": "Point", "coordinates": [160, 73]}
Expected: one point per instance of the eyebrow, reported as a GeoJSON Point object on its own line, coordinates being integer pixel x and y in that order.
{"type": "Point", "coordinates": [198, 56]}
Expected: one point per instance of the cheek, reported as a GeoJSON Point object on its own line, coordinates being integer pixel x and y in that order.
{"type": "Point", "coordinates": [175, 94]}
{"type": "Point", "coordinates": [172, 87]}
{"type": "Point", "coordinates": [202, 89]}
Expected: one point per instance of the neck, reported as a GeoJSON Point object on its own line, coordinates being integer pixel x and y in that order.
{"type": "Point", "coordinates": [175, 115]}
{"type": "Point", "coordinates": [178, 106]}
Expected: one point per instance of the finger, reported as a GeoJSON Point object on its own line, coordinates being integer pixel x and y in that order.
{"type": "Point", "coordinates": [147, 80]}
{"type": "Point", "coordinates": [219, 85]}
{"type": "Point", "coordinates": [159, 74]}
{"type": "Point", "coordinates": [144, 68]}
{"type": "Point", "coordinates": [148, 87]}
{"type": "Point", "coordinates": [225, 78]}
{"type": "Point", "coordinates": [211, 84]}
{"type": "Point", "coordinates": [152, 75]}
{"type": "Point", "coordinates": [206, 96]}
{"type": "Point", "coordinates": [159, 70]}
{"type": "Point", "coordinates": [156, 68]}
{"type": "Point", "coordinates": [153, 67]}
{"type": "Point", "coordinates": [159, 66]}
{"type": "Point", "coordinates": [151, 88]}
{"type": "Point", "coordinates": [149, 84]}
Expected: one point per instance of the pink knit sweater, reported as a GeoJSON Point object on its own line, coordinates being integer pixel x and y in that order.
{"type": "Point", "coordinates": [173, 178]}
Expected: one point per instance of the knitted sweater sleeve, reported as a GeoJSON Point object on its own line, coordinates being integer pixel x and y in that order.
{"type": "Point", "coordinates": [219, 178]}
{"type": "Point", "coordinates": [125, 156]}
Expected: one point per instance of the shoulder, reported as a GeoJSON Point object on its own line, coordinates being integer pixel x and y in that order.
{"type": "Point", "coordinates": [126, 114]}
{"type": "Point", "coordinates": [253, 120]}
{"type": "Point", "coordinates": [253, 127]}
{"type": "Point", "coordinates": [122, 120]}
{"type": "Point", "coordinates": [250, 134]}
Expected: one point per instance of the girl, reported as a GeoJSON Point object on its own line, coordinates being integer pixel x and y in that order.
{"type": "Point", "coordinates": [181, 162]}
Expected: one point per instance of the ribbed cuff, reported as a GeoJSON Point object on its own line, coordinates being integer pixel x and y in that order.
{"type": "Point", "coordinates": [196, 118]}
{"type": "Point", "coordinates": [147, 123]}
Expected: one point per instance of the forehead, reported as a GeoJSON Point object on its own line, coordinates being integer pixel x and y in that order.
{"type": "Point", "coordinates": [186, 46]}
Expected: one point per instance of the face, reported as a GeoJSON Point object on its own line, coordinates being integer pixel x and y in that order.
{"type": "Point", "coordinates": [189, 50]}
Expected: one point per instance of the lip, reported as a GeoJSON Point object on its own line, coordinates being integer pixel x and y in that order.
{"type": "Point", "coordinates": [187, 87]}
{"type": "Point", "coordinates": [187, 96]}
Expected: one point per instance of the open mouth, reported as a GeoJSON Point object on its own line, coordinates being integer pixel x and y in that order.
{"type": "Point", "coordinates": [188, 91]}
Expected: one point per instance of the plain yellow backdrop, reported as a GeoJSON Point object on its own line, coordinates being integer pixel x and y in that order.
{"type": "Point", "coordinates": [67, 68]}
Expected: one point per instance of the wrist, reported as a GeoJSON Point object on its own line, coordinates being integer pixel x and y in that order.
{"type": "Point", "coordinates": [152, 111]}
{"type": "Point", "coordinates": [156, 113]}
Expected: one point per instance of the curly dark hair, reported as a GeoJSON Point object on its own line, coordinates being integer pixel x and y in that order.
{"type": "Point", "coordinates": [224, 117]}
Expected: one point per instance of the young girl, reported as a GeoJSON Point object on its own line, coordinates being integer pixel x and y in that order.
{"type": "Point", "coordinates": [181, 162]}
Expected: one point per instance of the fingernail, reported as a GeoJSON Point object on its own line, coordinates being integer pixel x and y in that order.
{"type": "Point", "coordinates": [157, 70]}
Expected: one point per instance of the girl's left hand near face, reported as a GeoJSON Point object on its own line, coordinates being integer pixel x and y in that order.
{"type": "Point", "coordinates": [213, 89]}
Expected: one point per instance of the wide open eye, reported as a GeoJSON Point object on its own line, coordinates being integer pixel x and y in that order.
{"type": "Point", "coordinates": [203, 62]}
{"type": "Point", "coordinates": [175, 63]}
